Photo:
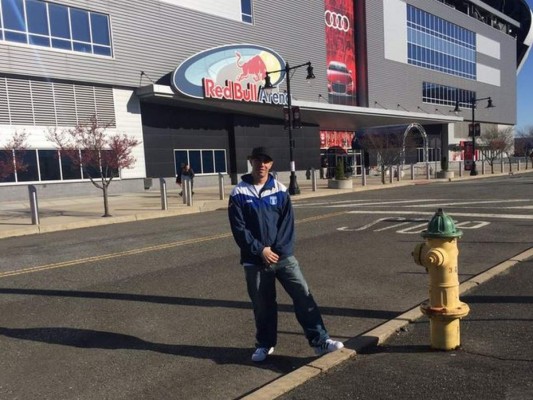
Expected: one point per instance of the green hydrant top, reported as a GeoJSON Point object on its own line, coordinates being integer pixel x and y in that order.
{"type": "Point", "coordinates": [441, 226]}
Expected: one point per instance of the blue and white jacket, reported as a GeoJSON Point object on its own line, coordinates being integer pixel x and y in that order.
{"type": "Point", "coordinates": [260, 220]}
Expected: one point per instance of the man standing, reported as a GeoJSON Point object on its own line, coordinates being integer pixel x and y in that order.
{"type": "Point", "coordinates": [262, 223]}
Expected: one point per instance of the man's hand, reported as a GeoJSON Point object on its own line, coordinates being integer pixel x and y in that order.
{"type": "Point", "coordinates": [269, 256]}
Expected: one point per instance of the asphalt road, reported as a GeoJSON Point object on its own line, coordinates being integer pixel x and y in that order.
{"type": "Point", "coordinates": [158, 308]}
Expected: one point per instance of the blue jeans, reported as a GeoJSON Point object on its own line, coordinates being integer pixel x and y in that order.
{"type": "Point", "coordinates": [261, 282]}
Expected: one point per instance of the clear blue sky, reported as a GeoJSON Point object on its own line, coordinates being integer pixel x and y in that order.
{"type": "Point", "coordinates": [524, 91]}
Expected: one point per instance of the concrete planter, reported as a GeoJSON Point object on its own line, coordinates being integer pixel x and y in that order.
{"type": "Point", "coordinates": [445, 174]}
{"type": "Point", "coordinates": [340, 184]}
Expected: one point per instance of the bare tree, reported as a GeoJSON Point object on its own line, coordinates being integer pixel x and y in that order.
{"type": "Point", "coordinates": [12, 155]}
{"type": "Point", "coordinates": [387, 148]}
{"type": "Point", "coordinates": [524, 144]}
{"type": "Point", "coordinates": [99, 154]}
{"type": "Point", "coordinates": [495, 144]}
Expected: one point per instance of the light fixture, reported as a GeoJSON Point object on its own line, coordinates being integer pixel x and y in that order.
{"type": "Point", "coordinates": [293, 185]}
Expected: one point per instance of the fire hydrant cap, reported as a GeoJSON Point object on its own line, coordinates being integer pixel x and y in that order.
{"type": "Point", "coordinates": [441, 226]}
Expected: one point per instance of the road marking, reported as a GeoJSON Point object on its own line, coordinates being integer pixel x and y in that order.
{"type": "Point", "coordinates": [71, 263]}
{"type": "Point", "coordinates": [454, 214]}
{"type": "Point", "coordinates": [112, 255]}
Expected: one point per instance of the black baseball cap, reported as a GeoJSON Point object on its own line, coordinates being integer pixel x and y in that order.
{"type": "Point", "coordinates": [260, 152]}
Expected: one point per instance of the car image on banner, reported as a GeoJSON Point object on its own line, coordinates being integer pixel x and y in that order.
{"type": "Point", "coordinates": [340, 49]}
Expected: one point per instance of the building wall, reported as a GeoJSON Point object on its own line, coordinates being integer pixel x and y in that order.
{"type": "Point", "coordinates": [156, 36]}
{"type": "Point", "coordinates": [386, 44]}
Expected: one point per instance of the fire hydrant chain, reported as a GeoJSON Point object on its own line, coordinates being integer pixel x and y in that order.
{"type": "Point", "coordinates": [439, 255]}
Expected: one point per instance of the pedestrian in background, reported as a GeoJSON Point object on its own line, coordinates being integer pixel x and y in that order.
{"type": "Point", "coordinates": [178, 178]}
{"type": "Point", "coordinates": [187, 174]}
{"type": "Point", "coordinates": [262, 223]}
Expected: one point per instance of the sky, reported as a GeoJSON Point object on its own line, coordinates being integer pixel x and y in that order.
{"type": "Point", "coordinates": [524, 91]}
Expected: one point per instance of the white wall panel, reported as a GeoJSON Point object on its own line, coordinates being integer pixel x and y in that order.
{"type": "Point", "coordinates": [488, 75]}
{"type": "Point", "coordinates": [128, 121]}
{"type": "Point", "coordinates": [488, 46]}
{"type": "Point", "coordinates": [227, 9]}
{"type": "Point", "coordinates": [395, 32]}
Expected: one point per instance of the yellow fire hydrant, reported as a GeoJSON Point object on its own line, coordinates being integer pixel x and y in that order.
{"type": "Point", "coordinates": [439, 255]}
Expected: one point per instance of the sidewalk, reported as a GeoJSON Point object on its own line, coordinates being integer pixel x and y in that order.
{"type": "Point", "coordinates": [494, 361]}
{"type": "Point", "coordinates": [80, 212]}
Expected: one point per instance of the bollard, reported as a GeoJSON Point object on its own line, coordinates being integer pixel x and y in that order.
{"type": "Point", "coordinates": [188, 185]}
{"type": "Point", "coordinates": [163, 189]}
{"type": "Point", "coordinates": [221, 185]}
{"type": "Point", "coordinates": [363, 175]}
{"type": "Point", "coordinates": [482, 167]}
{"type": "Point", "coordinates": [412, 172]}
{"type": "Point", "coordinates": [460, 169]}
{"type": "Point", "coordinates": [34, 205]}
{"type": "Point", "coordinates": [313, 180]}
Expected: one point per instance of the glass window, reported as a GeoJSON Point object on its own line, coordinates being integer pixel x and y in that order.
{"type": "Point", "coordinates": [49, 25]}
{"type": "Point", "coordinates": [102, 51]}
{"type": "Point", "coordinates": [100, 29]}
{"type": "Point", "coordinates": [62, 44]}
{"type": "Point", "coordinates": [220, 161]}
{"type": "Point", "coordinates": [80, 25]}
{"type": "Point", "coordinates": [16, 37]}
{"type": "Point", "coordinates": [208, 166]}
{"type": "Point", "coordinates": [39, 41]}
{"type": "Point", "coordinates": [59, 22]}
{"type": "Point", "coordinates": [69, 169]}
{"type": "Point", "coordinates": [246, 9]}
{"type": "Point", "coordinates": [201, 161]}
{"type": "Point", "coordinates": [49, 165]}
{"type": "Point", "coordinates": [6, 157]}
{"type": "Point", "coordinates": [37, 18]}
{"type": "Point", "coordinates": [13, 13]}
{"type": "Point", "coordinates": [435, 35]}
{"type": "Point", "coordinates": [29, 158]}
{"type": "Point", "coordinates": [195, 160]}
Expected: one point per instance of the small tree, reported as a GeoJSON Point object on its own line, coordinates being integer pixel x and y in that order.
{"type": "Point", "coordinates": [495, 144]}
{"type": "Point", "coordinates": [12, 155]}
{"type": "Point", "coordinates": [523, 144]}
{"type": "Point", "coordinates": [386, 146]}
{"type": "Point", "coordinates": [339, 170]}
{"type": "Point", "coordinates": [98, 154]}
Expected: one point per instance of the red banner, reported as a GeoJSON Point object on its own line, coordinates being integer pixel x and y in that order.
{"type": "Point", "coordinates": [340, 47]}
{"type": "Point", "coordinates": [341, 139]}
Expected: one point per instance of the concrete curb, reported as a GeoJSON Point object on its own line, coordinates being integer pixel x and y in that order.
{"type": "Point", "coordinates": [374, 337]}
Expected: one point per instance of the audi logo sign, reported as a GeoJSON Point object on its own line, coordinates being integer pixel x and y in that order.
{"type": "Point", "coordinates": [336, 21]}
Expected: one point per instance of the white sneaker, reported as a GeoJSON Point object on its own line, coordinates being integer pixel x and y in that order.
{"type": "Point", "coordinates": [327, 347]}
{"type": "Point", "coordinates": [261, 353]}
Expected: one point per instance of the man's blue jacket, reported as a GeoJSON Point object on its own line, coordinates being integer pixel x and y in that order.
{"type": "Point", "coordinates": [260, 220]}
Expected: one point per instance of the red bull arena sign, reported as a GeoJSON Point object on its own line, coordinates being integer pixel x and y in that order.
{"type": "Point", "coordinates": [234, 72]}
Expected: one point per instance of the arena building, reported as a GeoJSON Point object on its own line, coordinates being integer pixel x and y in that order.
{"type": "Point", "coordinates": [187, 78]}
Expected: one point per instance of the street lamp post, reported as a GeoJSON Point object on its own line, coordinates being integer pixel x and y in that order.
{"type": "Point", "coordinates": [473, 102]}
{"type": "Point", "coordinates": [293, 185]}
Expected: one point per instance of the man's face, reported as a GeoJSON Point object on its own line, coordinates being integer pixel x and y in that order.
{"type": "Point", "coordinates": [261, 166]}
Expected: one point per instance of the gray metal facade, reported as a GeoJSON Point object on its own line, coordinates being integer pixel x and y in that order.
{"type": "Point", "coordinates": [391, 83]}
{"type": "Point", "coordinates": [155, 37]}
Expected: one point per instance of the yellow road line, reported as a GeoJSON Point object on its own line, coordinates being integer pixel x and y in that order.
{"type": "Point", "coordinates": [86, 260]}
{"type": "Point", "coordinates": [112, 255]}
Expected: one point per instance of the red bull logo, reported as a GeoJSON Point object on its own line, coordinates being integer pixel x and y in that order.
{"type": "Point", "coordinates": [255, 67]}
{"type": "Point", "coordinates": [234, 72]}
